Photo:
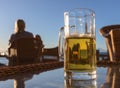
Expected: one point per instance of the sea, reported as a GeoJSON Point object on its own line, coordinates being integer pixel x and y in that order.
{"type": "Point", "coordinates": [3, 61]}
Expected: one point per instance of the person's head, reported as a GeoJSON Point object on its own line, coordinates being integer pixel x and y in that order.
{"type": "Point", "coordinates": [38, 37]}
{"type": "Point", "coordinates": [19, 26]}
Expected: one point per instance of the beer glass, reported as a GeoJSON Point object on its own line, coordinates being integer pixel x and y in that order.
{"type": "Point", "coordinates": [77, 43]}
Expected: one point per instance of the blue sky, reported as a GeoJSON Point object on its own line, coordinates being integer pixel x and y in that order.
{"type": "Point", "coordinates": [46, 17]}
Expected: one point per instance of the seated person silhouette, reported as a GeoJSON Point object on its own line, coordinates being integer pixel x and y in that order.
{"type": "Point", "coordinates": [40, 45]}
{"type": "Point", "coordinates": [21, 45]}
{"type": "Point", "coordinates": [19, 31]}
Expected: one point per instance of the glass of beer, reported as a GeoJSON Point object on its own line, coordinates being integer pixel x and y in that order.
{"type": "Point", "coordinates": [77, 43]}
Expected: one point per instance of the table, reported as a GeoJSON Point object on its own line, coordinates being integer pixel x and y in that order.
{"type": "Point", "coordinates": [107, 77]}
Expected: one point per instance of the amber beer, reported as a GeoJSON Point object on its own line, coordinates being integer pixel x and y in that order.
{"type": "Point", "coordinates": [78, 41]}
{"type": "Point", "coordinates": [80, 53]}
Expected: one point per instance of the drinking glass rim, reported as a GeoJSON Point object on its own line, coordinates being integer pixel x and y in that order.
{"type": "Point", "coordinates": [89, 12]}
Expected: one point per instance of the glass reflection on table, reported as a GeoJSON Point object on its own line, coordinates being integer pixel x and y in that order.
{"type": "Point", "coordinates": [70, 82]}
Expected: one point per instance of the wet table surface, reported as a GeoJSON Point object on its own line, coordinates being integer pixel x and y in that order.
{"type": "Point", "coordinates": [107, 77]}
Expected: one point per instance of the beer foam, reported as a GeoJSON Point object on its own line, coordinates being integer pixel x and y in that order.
{"type": "Point", "coordinates": [80, 35]}
{"type": "Point", "coordinates": [87, 35]}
